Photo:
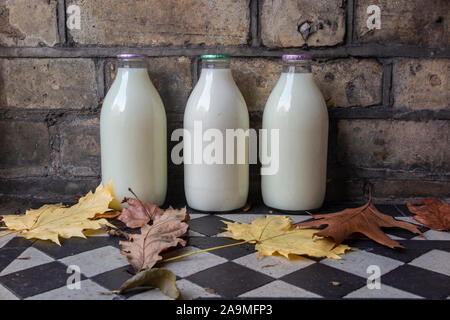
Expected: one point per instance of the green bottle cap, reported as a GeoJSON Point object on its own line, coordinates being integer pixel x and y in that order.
{"type": "Point", "coordinates": [215, 56]}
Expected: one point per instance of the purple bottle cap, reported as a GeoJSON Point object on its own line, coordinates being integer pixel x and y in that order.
{"type": "Point", "coordinates": [304, 56]}
{"type": "Point", "coordinates": [131, 56]}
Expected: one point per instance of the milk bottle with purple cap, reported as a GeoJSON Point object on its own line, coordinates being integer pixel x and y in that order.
{"type": "Point", "coordinates": [297, 108]}
{"type": "Point", "coordinates": [133, 134]}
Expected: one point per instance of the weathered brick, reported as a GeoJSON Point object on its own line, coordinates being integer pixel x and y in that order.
{"type": "Point", "coordinates": [343, 83]}
{"type": "Point", "coordinates": [401, 145]}
{"type": "Point", "coordinates": [421, 84]}
{"type": "Point", "coordinates": [28, 23]}
{"type": "Point", "coordinates": [49, 189]}
{"type": "Point", "coordinates": [414, 22]}
{"type": "Point", "coordinates": [48, 83]}
{"type": "Point", "coordinates": [170, 22]}
{"type": "Point", "coordinates": [386, 190]}
{"type": "Point", "coordinates": [296, 23]}
{"type": "Point", "coordinates": [25, 148]}
{"type": "Point", "coordinates": [80, 147]}
{"type": "Point", "coordinates": [172, 78]}
{"type": "Point", "coordinates": [256, 78]}
{"type": "Point", "coordinates": [350, 82]}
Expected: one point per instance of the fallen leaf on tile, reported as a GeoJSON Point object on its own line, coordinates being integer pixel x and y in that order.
{"type": "Point", "coordinates": [276, 235]}
{"type": "Point", "coordinates": [365, 219]}
{"type": "Point", "coordinates": [162, 279]}
{"type": "Point", "coordinates": [139, 213]}
{"type": "Point", "coordinates": [143, 250]}
{"type": "Point", "coordinates": [335, 283]}
{"type": "Point", "coordinates": [52, 221]}
{"type": "Point", "coordinates": [433, 213]}
{"type": "Point", "coordinates": [106, 215]}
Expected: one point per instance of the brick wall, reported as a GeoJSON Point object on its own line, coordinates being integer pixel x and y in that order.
{"type": "Point", "coordinates": [387, 90]}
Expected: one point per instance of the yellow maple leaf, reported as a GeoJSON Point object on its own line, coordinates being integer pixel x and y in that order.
{"type": "Point", "coordinates": [276, 235]}
{"type": "Point", "coordinates": [52, 221]}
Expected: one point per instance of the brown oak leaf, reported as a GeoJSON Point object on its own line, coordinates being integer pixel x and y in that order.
{"type": "Point", "coordinates": [138, 213]}
{"type": "Point", "coordinates": [365, 219]}
{"type": "Point", "coordinates": [143, 250]}
{"type": "Point", "coordinates": [432, 213]}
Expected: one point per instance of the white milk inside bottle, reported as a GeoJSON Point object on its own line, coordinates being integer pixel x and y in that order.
{"type": "Point", "coordinates": [296, 107]}
{"type": "Point", "coordinates": [133, 134]}
{"type": "Point", "coordinates": [215, 105]}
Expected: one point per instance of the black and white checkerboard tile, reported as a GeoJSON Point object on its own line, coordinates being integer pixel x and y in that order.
{"type": "Point", "coordinates": [39, 269]}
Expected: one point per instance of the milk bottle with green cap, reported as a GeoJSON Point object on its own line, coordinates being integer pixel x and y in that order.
{"type": "Point", "coordinates": [215, 106]}
{"type": "Point", "coordinates": [133, 134]}
{"type": "Point", "coordinates": [297, 108]}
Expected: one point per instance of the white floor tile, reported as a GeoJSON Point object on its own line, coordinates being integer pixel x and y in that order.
{"type": "Point", "coordinates": [434, 260]}
{"type": "Point", "coordinates": [186, 266]}
{"type": "Point", "coordinates": [4, 240]}
{"type": "Point", "coordinates": [356, 262]}
{"type": "Point", "coordinates": [409, 219]}
{"type": "Point", "coordinates": [193, 216]}
{"type": "Point", "coordinates": [5, 294]}
{"type": "Point", "coordinates": [30, 258]}
{"type": "Point", "coordinates": [151, 294]}
{"type": "Point", "coordinates": [89, 290]}
{"type": "Point", "coordinates": [385, 292]}
{"type": "Point", "coordinates": [279, 289]}
{"type": "Point", "coordinates": [97, 261]}
{"type": "Point", "coordinates": [275, 267]}
{"type": "Point", "coordinates": [434, 235]}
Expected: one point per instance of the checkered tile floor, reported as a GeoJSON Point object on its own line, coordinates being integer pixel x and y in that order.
{"type": "Point", "coordinates": [39, 269]}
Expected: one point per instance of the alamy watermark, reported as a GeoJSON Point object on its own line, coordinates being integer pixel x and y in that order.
{"type": "Point", "coordinates": [230, 146]}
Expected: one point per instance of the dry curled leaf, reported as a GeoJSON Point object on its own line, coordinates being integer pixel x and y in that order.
{"type": "Point", "coordinates": [143, 250]}
{"type": "Point", "coordinates": [139, 213]}
{"type": "Point", "coordinates": [162, 279]}
{"type": "Point", "coordinates": [276, 234]}
{"type": "Point", "coordinates": [106, 215]}
{"type": "Point", "coordinates": [432, 213]}
{"type": "Point", "coordinates": [52, 221]}
{"type": "Point", "coordinates": [365, 219]}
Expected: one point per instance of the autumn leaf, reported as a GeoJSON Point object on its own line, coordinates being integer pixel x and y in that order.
{"type": "Point", "coordinates": [143, 250]}
{"type": "Point", "coordinates": [365, 219]}
{"type": "Point", "coordinates": [139, 213]}
{"type": "Point", "coordinates": [52, 221]}
{"type": "Point", "coordinates": [432, 213]}
{"type": "Point", "coordinates": [276, 235]}
{"type": "Point", "coordinates": [106, 215]}
{"type": "Point", "coordinates": [162, 279]}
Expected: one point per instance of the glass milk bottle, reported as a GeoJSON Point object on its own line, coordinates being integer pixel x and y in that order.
{"type": "Point", "coordinates": [297, 108]}
{"type": "Point", "coordinates": [133, 133]}
{"type": "Point", "coordinates": [215, 180]}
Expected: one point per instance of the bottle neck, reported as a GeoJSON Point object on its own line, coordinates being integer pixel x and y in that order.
{"type": "Point", "coordinates": [132, 69]}
{"type": "Point", "coordinates": [218, 70]}
{"type": "Point", "coordinates": [216, 64]}
{"type": "Point", "coordinates": [296, 66]}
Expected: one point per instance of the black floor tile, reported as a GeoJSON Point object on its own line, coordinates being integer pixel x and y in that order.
{"type": "Point", "coordinates": [74, 246]}
{"type": "Point", "coordinates": [230, 279]}
{"type": "Point", "coordinates": [208, 225]}
{"type": "Point", "coordinates": [112, 280]}
{"type": "Point", "coordinates": [419, 281]}
{"type": "Point", "coordinates": [32, 281]}
{"type": "Point", "coordinates": [229, 253]}
{"type": "Point", "coordinates": [12, 250]}
{"type": "Point", "coordinates": [412, 250]}
{"type": "Point", "coordinates": [318, 278]}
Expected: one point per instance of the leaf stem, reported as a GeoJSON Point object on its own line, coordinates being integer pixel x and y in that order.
{"type": "Point", "coordinates": [204, 250]}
